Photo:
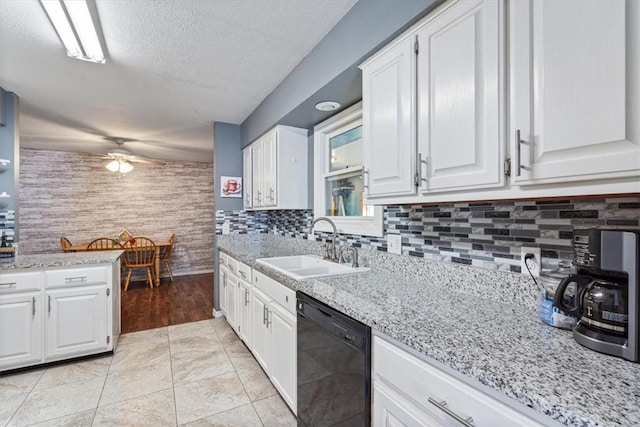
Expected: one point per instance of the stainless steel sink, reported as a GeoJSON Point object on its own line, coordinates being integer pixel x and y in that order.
{"type": "Point", "coordinates": [302, 267]}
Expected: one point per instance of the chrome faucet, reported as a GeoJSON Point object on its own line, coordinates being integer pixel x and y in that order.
{"type": "Point", "coordinates": [332, 254]}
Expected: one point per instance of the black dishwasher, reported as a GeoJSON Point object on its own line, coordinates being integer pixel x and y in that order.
{"type": "Point", "coordinates": [334, 367]}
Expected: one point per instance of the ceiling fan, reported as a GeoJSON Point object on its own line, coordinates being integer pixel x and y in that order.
{"type": "Point", "coordinates": [121, 158]}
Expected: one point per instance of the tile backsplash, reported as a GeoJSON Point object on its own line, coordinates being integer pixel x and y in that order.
{"type": "Point", "coordinates": [483, 234]}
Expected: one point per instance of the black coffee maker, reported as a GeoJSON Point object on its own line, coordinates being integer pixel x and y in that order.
{"type": "Point", "coordinates": [605, 292]}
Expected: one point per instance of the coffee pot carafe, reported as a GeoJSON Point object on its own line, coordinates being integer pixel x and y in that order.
{"type": "Point", "coordinates": [601, 304]}
{"type": "Point", "coordinates": [604, 294]}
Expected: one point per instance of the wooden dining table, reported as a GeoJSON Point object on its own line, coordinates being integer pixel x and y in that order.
{"type": "Point", "coordinates": [158, 251]}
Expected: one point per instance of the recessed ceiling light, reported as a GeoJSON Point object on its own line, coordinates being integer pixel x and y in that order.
{"type": "Point", "coordinates": [327, 106]}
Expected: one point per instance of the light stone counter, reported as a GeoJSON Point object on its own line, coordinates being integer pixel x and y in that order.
{"type": "Point", "coordinates": [59, 259]}
{"type": "Point", "coordinates": [480, 323]}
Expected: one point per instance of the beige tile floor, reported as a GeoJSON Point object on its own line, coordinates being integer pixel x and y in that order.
{"type": "Point", "coordinates": [194, 374]}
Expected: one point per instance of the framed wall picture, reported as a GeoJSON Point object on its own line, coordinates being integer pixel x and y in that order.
{"type": "Point", "coordinates": [231, 186]}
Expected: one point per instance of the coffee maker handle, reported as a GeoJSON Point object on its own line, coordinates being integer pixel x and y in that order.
{"type": "Point", "coordinates": [581, 285]}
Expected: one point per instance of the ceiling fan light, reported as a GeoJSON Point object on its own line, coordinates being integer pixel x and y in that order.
{"type": "Point", "coordinates": [113, 166]}
{"type": "Point", "coordinates": [125, 167]}
{"type": "Point", "coordinates": [120, 166]}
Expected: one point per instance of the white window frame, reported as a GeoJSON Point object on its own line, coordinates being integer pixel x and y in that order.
{"type": "Point", "coordinates": [343, 121]}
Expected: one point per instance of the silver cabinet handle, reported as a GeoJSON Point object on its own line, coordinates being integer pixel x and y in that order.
{"type": "Point", "coordinates": [246, 297]}
{"type": "Point", "coordinates": [76, 279]}
{"type": "Point", "coordinates": [49, 309]}
{"type": "Point", "coordinates": [10, 284]}
{"type": "Point", "coordinates": [268, 317]}
{"type": "Point", "coordinates": [224, 280]}
{"type": "Point", "coordinates": [365, 180]}
{"type": "Point", "coordinates": [242, 273]}
{"type": "Point", "coordinates": [264, 314]}
{"type": "Point", "coordinates": [519, 143]}
{"type": "Point", "coordinates": [467, 422]}
{"type": "Point", "coordinates": [422, 170]}
{"type": "Point", "coordinates": [33, 307]}
{"type": "Point", "coordinates": [271, 194]}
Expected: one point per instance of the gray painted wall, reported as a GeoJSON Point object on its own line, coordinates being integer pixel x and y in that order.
{"type": "Point", "coordinates": [367, 26]}
{"type": "Point", "coordinates": [227, 160]}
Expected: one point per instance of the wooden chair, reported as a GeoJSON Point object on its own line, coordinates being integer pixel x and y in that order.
{"type": "Point", "coordinates": [165, 255]}
{"type": "Point", "coordinates": [65, 244]}
{"type": "Point", "coordinates": [103, 243]}
{"type": "Point", "coordinates": [139, 252]}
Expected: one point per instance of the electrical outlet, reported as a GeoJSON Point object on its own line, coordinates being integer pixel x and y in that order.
{"type": "Point", "coordinates": [394, 244]}
{"type": "Point", "coordinates": [534, 263]}
{"type": "Point", "coordinates": [226, 227]}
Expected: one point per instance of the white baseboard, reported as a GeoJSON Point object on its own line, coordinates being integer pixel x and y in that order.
{"type": "Point", "coordinates": [217, 314]}
{"type": "Point", "coordinates": [191, 273]}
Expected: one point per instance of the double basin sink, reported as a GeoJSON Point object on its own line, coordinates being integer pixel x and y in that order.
{"type": "Point", "coordinates": [302, 267]}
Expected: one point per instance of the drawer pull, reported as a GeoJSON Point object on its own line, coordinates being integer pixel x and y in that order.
{"type": "Point", "coordinates": [243, 274]}
{"type": "Point", "coordinates": [10, 284]}
{"type": "Point", "coordinates": [264, 314]}
{"type": "Point", "coordinates": [246, 297]}
{"type": "Point", "coordinates": [467, 422]}
{"type": "Point", "coordinates": [49, 309]}
{"type": "Point", "coordinates": [33, 307]}
{"type": "Point", "coordinates": [76, 279]}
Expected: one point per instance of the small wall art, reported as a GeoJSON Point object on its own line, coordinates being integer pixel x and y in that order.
{"type": "Point", "coordinates": [230, 186]}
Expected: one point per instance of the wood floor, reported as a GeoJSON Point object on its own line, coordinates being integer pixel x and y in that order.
{"type": "Point", "coordinates": [187, 299]}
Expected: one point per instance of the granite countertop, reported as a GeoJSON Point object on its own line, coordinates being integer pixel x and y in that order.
{"type": "Point", "coordinates": [498, 343]}
{"type": "Point", "coordinates": [59, 259]}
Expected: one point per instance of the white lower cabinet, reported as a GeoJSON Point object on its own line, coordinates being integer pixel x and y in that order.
{"type": "Point", "coordinates": [234, 296]}
{"type": "Point", "coordinates": [408, 391]}
{"type": "Point", "coordinates": [259, 330]}
{"type": "Point", "coordinates": [20, 329]}
{"type": "Point", "coordinates": [55, 314]}
{"type": "Point", "coordinates": [244, 311]}
{"type": "Point", "coordinates": [76, 321]}
{"type": "Point", "coordinates": [274, 335]}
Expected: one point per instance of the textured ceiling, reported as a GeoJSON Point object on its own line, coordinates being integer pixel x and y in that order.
{"type": "Point", "coordinates": [173, 68]}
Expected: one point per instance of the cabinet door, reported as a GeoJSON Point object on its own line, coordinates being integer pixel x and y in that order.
{"type": "Point", "coordinates": [259, 330]}
{"type": "Point", "coordinates": [575, 89]}
{"type": "Point", "coordinates": [20, 329]}
{"type": "Point", "coordinates": [269, 168]}
{"type": "Point", "coordinates": [257, 150]}
{"type": "Point", "coordinates": [388, 94]}
{"type": "Point", "coordinates": [232, 296]}
{"type": "Point", "coordinates": [224, 274]}
{"type": "Point", "coordinates": [460, 105]}
{"type": "Point", "coordinates": [76, 321]}
{"type": "Point", "coordinates": [247, 178]}
{"type": "Point", "coordinates": [282, 355]}
{"type": "Point", "coordinates": [244, 312]}
{"type": "Point", "coordinates": [391, 409]}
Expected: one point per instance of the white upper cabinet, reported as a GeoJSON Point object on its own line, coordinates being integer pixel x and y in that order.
{"type": "Point", "coordinates": [460, 97]}
{"type": "Point", "coordinates": [388, 108]}
{"type": "Point", "coordinates": [278, 166]}
{"type": "Point", "coordinates": [247, 178]}
{"type": "Point", "coordinates": [575, 95]}
{"type": "Point", "coordinates": [433, 104]}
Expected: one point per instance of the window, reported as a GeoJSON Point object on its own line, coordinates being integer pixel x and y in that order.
{"type": "Point", "coordinates": [338, 184]}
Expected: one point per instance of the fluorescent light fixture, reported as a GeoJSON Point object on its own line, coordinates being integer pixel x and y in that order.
{"type": "Point", "coordinates": [74, 25]}
{"type": "Point", "coordinates": [120, 166]}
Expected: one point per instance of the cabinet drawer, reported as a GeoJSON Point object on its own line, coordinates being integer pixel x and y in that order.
{"type": "Point", "coordinates": [18, 282]}
{"type": "Point", "coordinates": [244, 272]}
{"type": "Point", "coordinates": [429, 386]}
{"type": "Point", "coordinates": [232, 265]}
{"type": "Point", "coordinates": [276, 291]}
{"type": "Point", "coordinates": [223, 259]}
{"type": "Point", "coordinates": [76, 276]}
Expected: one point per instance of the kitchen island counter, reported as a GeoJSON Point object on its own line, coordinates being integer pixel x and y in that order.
{"type": "Point", "coordinates": [483, 331]}
{"type": "Point", "coordinates": [59, 259]}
